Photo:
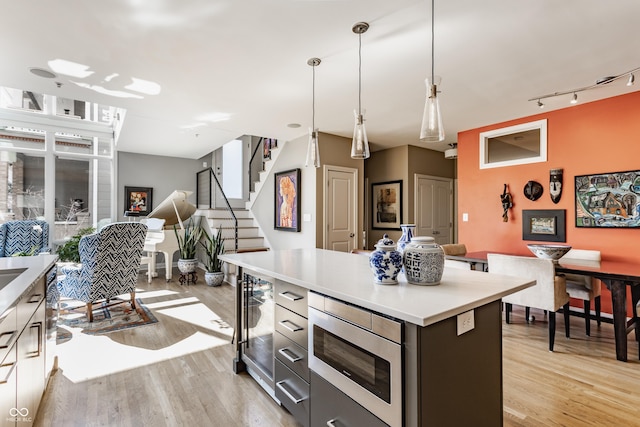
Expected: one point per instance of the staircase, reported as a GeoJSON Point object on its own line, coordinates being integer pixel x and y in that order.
{"type": "Point", "coordinates": [249, 236]}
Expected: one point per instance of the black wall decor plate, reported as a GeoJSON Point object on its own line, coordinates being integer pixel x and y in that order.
{"type": "Point", "coordinates": [533, 190]}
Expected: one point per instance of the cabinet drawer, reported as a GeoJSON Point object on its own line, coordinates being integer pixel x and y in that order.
{"type": "Point", "coordinates": [332, 407]}
{"type": "Point", "coordinates": [292, 355]}
{"type": "Point", "coordinates": [29, 302]}
{"type": "Point", "coordinates": [292, 296]}
{"type": "Point", "coordinates": [293, 393]}
{"type": "Point", "coordinates": [8, 330]}
{"type": "Point", "coordinates": [292, 326]}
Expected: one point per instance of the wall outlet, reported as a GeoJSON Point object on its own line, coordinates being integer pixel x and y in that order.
{"type": "Point", "coordinates": [465, 322]}
{"type": "Point", "coordinates": [465, 217]}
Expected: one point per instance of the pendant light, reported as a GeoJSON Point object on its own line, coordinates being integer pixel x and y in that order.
{"type": "Point", "coordinates": [360, 143]}
{"type": "Point", "coordinates": [432, 129]}
{"type": "Point", "coordinates": [313, 151]}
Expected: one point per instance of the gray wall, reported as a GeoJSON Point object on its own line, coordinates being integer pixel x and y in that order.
{"type": "Point", "coordinates": [163, 174]}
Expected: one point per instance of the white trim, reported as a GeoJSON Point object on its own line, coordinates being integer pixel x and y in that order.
{"type": "Point", "coordinates": [484, 137]}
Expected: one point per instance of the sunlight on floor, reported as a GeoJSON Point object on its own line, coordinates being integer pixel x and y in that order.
{"type": "Point", "coordinates": [87, 357]}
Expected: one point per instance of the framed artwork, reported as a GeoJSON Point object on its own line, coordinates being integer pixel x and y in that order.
{"type": "Point", "coordinates": [386, 199]}
{"type": "Point", "coordinates": [287, 200]}
{"type": "Point", "coordinates": [138, 200]}
{"type": "Point", "coordinates": [545, 225]}
{"type": "Point", "coordinates": [608, 200]}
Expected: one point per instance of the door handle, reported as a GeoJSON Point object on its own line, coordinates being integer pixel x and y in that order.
{"type": "Point", "coordinates": [351, 234]}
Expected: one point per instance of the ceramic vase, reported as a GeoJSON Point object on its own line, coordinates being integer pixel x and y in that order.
{"type": "Point", "coordinates": [187, 265]}
{"type": "Point", "coordinates": [213, 278]}
{"type": "Point", "coordinates": [408, 231]}
{"type": "Point", "coordinates": [385, 262]}
{"type": "Point", "coordinates": [423, 261]}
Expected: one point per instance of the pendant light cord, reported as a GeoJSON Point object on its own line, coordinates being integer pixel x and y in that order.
{"type": "Point", "coordinates": [313, 101]}
{"type": "Point", "coordinates": [432, 41]}
{"type": "Point", "coordinates": [359, 74]}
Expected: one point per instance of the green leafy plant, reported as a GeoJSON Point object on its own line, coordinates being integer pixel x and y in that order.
{"type": "Point", "coordinates": [69, 252]}
{"type": "Point", "coordinates": [188, 243]}
{"type": "Point", "coordinates": [214, 246]}
{"type": "Point", "coordinates": [30, 252]}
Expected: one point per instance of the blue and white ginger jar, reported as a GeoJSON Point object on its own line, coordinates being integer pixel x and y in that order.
{"type": "Point", "coordinates": [423, 261]}
{"type": "Point", "coordinates": [408, 230]}
{"type": "Point", "coordinates": [386, 261]}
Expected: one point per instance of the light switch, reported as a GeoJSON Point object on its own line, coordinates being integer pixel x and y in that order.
{"type": "Point", "coordinates": [465, 217]}
{"type": "Point", "coordinates": [306, 217]}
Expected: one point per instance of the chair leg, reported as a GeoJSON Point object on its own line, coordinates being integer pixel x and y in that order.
{"type": "Point", "coordinates": [567, 324]}
{"type": "Point", "coordinates": [596, 302]}
{"type": "Point", "coordinates": [133, 299]}
{"type": "Point", "coordinates": [507, 312]}
{"type": "Point", "coordinates": [90, 312]}
{"type": "Point", "coordinates": [527, 312]}
{"type": "Point", "coordinates": [587, 317]}
{"type": "Point", "coordinates": [552, 329]}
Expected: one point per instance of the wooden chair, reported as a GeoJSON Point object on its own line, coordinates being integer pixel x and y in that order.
{"type": "Point", "coordinates": [549, 293]}
{"type": "Point", "coordinates": [454, 249]}
{"type": "Point", "coordinates": [582, 287]}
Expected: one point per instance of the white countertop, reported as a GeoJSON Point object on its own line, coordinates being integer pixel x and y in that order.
{"type": "Point", "coordinates": [348, 277]}
{"type": "Point", "coordinates": [36, 267]}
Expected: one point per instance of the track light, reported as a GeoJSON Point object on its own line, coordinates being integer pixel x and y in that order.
{"type": "Point", "coordinates": [574, 100]}
{"type": "Point", "coordinates": [603, 81]}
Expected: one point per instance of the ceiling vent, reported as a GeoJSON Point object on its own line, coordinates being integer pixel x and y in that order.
{"type": "Point", "coordinates": [452, 153]}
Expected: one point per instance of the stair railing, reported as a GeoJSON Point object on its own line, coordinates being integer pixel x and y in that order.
{"type": "Point", "coordinates": [251, 170]}
{"type": "Point", "coordinates": [208, 191]}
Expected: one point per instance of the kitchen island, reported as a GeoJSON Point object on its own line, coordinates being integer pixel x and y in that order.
{"type": "Point", "coordinates": [451, 333]}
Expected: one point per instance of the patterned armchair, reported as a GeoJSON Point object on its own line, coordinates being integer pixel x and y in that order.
{"type": "Point", "coordinates": [110, 260]}
{"type": "Point", "coordinates": [23, 236]}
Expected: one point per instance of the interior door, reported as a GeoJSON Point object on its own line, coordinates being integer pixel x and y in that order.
{"type": "Point", "coordinates": [340, 216]}
{"type": "Point", "coordinates": [433, 208]}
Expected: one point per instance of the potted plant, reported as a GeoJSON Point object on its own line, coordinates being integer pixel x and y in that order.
{"type": "Point", "coordinates": [69, 251]}
{"type": "Point", "coordinates": [187, 245]}
{"type": "Point", "coordinates": [214, 247]}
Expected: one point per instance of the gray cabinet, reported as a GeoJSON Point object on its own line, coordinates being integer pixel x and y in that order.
{"type": "Point", "coordinates": [290, 350]}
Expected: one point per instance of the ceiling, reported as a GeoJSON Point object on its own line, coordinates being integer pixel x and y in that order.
{"type": "Point", "coordinates": [225, 68]}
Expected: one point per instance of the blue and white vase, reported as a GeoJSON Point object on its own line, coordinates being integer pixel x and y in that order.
{"type": "Point", "coordinates": [408, 231]}
{"type": "Point", "coordinates": [423, 261]}
{"type": "Point", "coordinates": [386, 261]}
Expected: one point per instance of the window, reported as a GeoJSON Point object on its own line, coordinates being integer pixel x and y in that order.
{"type": "Point", "coordinates": [514, 145]}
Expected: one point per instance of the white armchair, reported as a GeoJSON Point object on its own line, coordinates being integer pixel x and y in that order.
{"type": "Point", "coordinates": [582, 287]}
{"type": "Point", "coordinates": [549, 293]}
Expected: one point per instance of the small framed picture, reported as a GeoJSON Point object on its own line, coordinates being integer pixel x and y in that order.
{"type": "Point", "coordinates": [287, 200]}
{"type": "Point", "coordinates": [138, 200]}
{"type": "Point", "coordinates": [386, 198]}
{"type": "Point", "coordinates": [545, 225]}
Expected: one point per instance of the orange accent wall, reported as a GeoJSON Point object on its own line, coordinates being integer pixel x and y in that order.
{"type": "Point", "coordinates": [596, 137]}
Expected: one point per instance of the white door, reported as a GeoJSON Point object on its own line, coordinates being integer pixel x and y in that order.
{"type": "Point", "coordinates": [341, 213]}
{"type": "Point", "coordinates": [433, 208]}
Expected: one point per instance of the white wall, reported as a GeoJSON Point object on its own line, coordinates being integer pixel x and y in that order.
{"type": "Point", "coordinates": [293, 156]}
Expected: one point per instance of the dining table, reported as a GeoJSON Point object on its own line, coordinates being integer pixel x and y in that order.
{"type": "Point", "coordinates": [617, 275]}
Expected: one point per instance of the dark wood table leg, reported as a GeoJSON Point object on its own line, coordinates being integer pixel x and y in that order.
{"type": "Point", "coordinates": [619, 304]}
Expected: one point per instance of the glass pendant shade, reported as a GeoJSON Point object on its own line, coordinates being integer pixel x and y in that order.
{"type": "Point", "coordinates": [313, 151]}
{"type": "Point", "coordinates": [360, 143]}
{"type": "Point", "coordinates": [432, 129]}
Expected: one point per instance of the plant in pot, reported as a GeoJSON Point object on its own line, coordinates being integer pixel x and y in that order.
{"type": "Point", "coordinates": [187, 245]}
{"type": "Point", "coordinates": [69, 252]}
{"type": "Point", "coordinates": [214, 247]}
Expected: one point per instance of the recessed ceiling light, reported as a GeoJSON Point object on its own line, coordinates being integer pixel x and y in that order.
{"type": "Point", "coordinates": [41, 72]}
{"type": "Point", "coordinates": [293, 125]}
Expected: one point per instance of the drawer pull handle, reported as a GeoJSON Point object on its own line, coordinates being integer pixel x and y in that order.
{"type": "Point", "coordinates": [11, 335]}
{"type": "Point", "coordinates": [332, 423]}
{"type": "Point", "coordinates": [280, 385]}
{"type": "Point", "coordinates": [294, 328]}
{"type": "Point", "coordinates": [9, 369]}
{"type": "Point", "coordinates": [290, 296]}
{"type": "Point", "coordinates": [285, 353]}
{"type": "Point", "coordinates": [35, 298]}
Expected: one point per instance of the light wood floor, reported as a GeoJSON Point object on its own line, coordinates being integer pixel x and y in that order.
{"type": "Point", "coordinates": [179, 372]}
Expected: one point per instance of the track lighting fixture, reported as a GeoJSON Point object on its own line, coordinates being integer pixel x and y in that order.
{"type": "Point", "coordinates": [599, 83]}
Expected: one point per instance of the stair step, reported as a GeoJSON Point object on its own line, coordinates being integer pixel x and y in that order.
{"type": "Point", "coordinates": [244, 242]}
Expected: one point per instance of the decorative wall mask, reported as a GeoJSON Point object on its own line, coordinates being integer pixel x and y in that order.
{"type": "Point", "coordinates": [507, 203]}
{"type": "Point", "coordinates": [533, 190]}
{"type": "Point", "coordinates": [555, 184]}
